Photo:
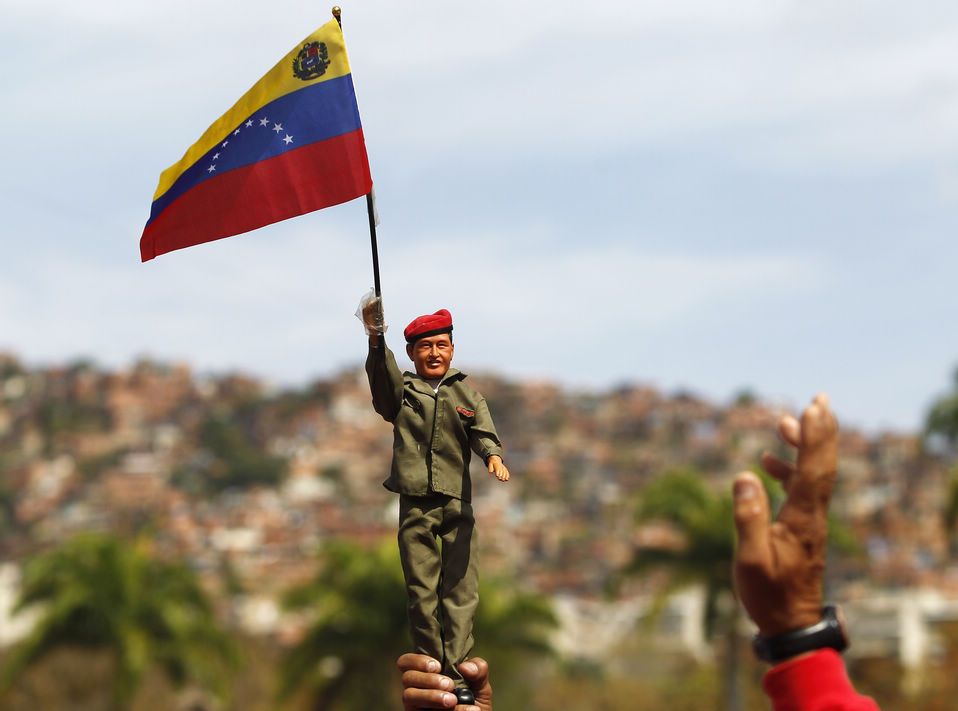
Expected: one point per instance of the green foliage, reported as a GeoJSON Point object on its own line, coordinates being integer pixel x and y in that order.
{"type": "Point", "coordinates": [90, 468]}
{"type": "Point", "coordinates": [9, 367]}
{"type": "Point", "coordinates": [334, 473]}
{"type": "Point", "coordinates": [942, 423]}
{"type": "Point", "coordinates": [949, 511]}
{"type": "Point", "coordinates": [7, 508]}
{"type": "Point", "coordinates": [509, 621]}
{"type": "Point", "coordinates": [100, 592]}
{"type": "Point", "coordinates": [358, 598]}
{"type": "Point", "coordinates": [235, 463]}
{"type": "Point", "coordinates": [704, 519]}
{"type": "Point", "coordinates": [942, 418]}
{"type": "Point", "coordinates": [58, 416]}
{"type": "Point", "coordinates": [347, 658]}
{"type": "Point", "coordinates": [512, 631]}
{"type": "Point", "coordinates": [291, 403]}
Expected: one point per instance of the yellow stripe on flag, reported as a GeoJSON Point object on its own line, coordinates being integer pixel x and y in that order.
{"type": "Point", "coordinates": [277, 82]}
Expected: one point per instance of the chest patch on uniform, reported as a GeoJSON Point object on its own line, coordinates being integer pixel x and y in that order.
{"type": "Point", "coordinates": [464, 411]}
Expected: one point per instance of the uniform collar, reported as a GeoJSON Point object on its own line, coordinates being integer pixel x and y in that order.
{"type": "Point", "coordinates": [419, 383]}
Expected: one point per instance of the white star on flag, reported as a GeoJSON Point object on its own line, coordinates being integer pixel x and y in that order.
{"type": "Point", "coordinates": [288, 139]}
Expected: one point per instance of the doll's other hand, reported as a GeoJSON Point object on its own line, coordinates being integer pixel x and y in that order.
{"type": "Point", "coordinates": [497, 468]}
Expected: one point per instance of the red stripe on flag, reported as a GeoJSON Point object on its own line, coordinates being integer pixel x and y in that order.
{"type": "Point", "coordinates": [310, 178]}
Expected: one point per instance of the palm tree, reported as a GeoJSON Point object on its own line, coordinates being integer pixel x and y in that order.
{"type": "Point", "coordinates": [704, 519]}
{"type": "Point", "coordinates": [512, 631]}
{"type": "Point", "coordinates": [941, 428]}
{"type": "Point", "coordinates": [360, 628]}
{"type": "Point", "coordinates": [98, 591]}
{"type": "Point", "coordinates": [348, 656]}
{"type": "Point", "coordinates": [942, 418]}
{"type": "Point", "coordinates": [949, 509]}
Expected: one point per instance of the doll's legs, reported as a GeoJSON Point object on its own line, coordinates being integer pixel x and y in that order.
{"type": "Point", "coordinates": [459, 583]}
{"type": "Point", "coordinates": [442, 585]}
{"type": "Point", "coordinates": [419, 521]}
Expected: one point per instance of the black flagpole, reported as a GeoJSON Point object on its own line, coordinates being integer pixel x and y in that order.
{"type": "Point", "coordinates": [370, 210]}
{"type": "Point", "coordinates": [372, 240]}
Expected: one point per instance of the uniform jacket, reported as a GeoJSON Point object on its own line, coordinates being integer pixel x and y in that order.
{"type": "Point", "coordinates": [434, 433]}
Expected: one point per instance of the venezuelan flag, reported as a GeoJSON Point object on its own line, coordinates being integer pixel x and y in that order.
{"type": "Point", "coordinates": [292, 144]}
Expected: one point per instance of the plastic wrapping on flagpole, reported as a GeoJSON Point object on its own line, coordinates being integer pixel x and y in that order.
{"type": "Point", "coordinates": [372, 192]}
{"type": "Point", "coordinates": [370, 312]}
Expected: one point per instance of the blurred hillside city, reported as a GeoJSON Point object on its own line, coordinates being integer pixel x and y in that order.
{"type": "Point", "coordinates": [247, 483]}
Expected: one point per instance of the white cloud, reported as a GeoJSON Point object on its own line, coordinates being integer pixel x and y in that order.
{"type": "Point", "coordinates": [535, 297]}
{"type": "Point", "coordinates": [781, 84]}
{"type": "Point", "coordinates": [785, 91]}
{"type": "Point", "coordinates": [251, 299]}
{"type": "Point", "coordinates": [836, 93]}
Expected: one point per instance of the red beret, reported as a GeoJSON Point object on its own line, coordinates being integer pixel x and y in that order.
{"type": "Point", "coordinates": [430, 325]}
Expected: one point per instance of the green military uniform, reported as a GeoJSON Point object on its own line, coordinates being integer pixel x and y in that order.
{"type": "Point", "coordinates": [434, 433]}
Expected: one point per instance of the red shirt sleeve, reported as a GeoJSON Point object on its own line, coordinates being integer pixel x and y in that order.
{"type": "Point", "coordinates": [814, 682]}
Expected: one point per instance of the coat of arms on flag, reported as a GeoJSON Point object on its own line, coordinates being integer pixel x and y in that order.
{"type": "Point", "coordinates": [312, 60]}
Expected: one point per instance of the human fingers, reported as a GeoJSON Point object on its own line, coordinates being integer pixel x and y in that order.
{"type": "Point", "coordinates": [778, 468]}
{"type": "Point", "coordinates": [423, 686]}
{"type": "Point", "coordinates": [371, 310]}
{"type": "Point", "coordinates": [819, 425]}
{"type": "Point", "coordinates": [427, 680]}
{"type": "Point", "coordinates": [502, 473]}
{"type": "Point", "coordinates": [476, 672]}
{"type": "Point", "coordinates": [790, 430]}
{"type": "Point", "coordinates": [751, 510]}
{"type": "Point", "coordinates": [817, 460]}
{"type": "Point", "coordinates": [414, 699]}
{"type": "Point", "coordinates": [754, 562]}
{"type": "Point", "coordinates": [418, 662]}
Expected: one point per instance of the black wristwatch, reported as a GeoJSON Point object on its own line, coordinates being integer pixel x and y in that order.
{"type": "Point", "coordinates": [829, 633]}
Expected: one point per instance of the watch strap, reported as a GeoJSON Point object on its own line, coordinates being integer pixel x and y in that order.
{"type": "Point", "coordinates": [829, 633]}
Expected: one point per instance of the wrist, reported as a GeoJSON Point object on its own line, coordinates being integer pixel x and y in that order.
{"type": "Point", "coordinates": [827, 632]}
{"type": "Point", "coordinates": [782, 624]}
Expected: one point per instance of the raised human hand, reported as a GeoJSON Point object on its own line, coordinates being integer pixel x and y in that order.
{"type": "Point", "coordinates": [780, 566]}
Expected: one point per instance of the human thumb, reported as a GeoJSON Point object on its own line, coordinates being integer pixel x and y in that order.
{"type": "Point", "coordinates": [751, 520]}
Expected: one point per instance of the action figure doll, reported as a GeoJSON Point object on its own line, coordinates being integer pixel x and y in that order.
{"type": "Point", "coordinates": [437, 421]}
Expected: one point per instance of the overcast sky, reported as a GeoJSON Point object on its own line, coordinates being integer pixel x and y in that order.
{"type": "Point", "coordinates": [699, 195]}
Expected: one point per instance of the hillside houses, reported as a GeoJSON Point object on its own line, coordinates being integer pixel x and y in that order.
{"type": "Point", "coordinates": [235, 476]}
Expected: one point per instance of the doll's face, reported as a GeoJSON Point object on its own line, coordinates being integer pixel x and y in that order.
{"type": "Point", "coordinates": [431, 355]}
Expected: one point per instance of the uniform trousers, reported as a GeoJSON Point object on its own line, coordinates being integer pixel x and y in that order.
{"type": "Point", "coordinates": [437, 546]}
